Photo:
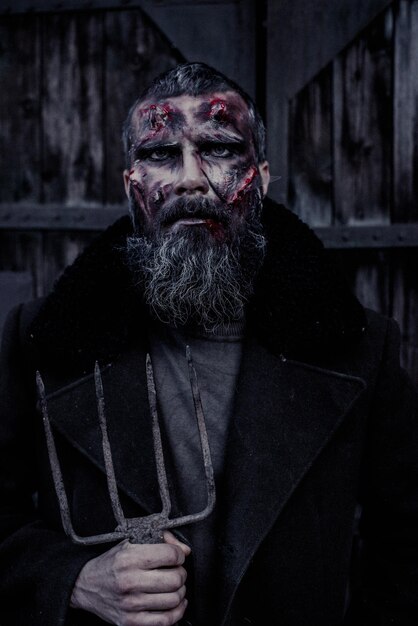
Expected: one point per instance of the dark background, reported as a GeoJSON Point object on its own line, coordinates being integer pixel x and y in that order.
{"type": "Point", "coordinates": [337, 81]}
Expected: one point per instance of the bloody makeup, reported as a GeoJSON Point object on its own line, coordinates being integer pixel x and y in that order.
{"type": "Point", "coordinates": [193, 146]}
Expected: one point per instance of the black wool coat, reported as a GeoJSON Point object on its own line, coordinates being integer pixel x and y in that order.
{"type": "Point", "coordinates": [324, 427]}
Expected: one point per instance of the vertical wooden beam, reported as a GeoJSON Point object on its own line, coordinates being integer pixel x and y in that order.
{"type": "Point", "coordinates": [310, 151]}
{"type": "Point", "coordinates": [405, 306]}
{"type": "Point", "coordinates": [303, 37]}
{"type": "Point", "coordinates": [73, 168]}
{"type": "Point", "coordinates": [372, 281]}
{"type": "Point", "coordinates": [363, 127]}
{"type": "Point", "coordinates": [20, 109]}
{"type": "Point", "coordinates": [136, 52]}
{"type": "Point", "coordinates": [405, 176]}
{"type": "Point", "coordinates": [405, 152]}
{"type": "Point", "coordinates": [362, 148]}
{"type": "Point", "coordinates": [368, 276]}
{"type": "Point", "coordinates": [20, 137]}
{"type": "Point", "coordinates": [72, 108]}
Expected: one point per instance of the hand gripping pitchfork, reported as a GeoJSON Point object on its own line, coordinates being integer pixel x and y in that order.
{"type": "Point", "coordinates": [147, 529]}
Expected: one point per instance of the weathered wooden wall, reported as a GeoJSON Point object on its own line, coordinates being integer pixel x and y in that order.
{"type": "Point", "coordinates": [66, 83]}
{"type": "Point", "coordinates": [303, 36]}
{"type": "Point", "coordinates": [353, 158]}
{"type": "Point", "coordinates": [67, 80]}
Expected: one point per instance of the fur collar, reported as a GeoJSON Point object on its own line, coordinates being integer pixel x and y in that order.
{"type": "Point", "coordinates": [301, 304]}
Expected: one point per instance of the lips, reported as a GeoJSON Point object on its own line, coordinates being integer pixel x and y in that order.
{"type": "Point", "coordinates": [187, 221]}
{"type": "Point", "coordinates": [186, 213]}
{"type": "Point", "coordinates": [184, 222]}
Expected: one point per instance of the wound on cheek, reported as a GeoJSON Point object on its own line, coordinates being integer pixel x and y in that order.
{"type": "Point", "coordinates": [245, 185]}
{"type": "Point", "coordinates": [138, 193]}
{"type": "Point", "coordinates": [158, 197]}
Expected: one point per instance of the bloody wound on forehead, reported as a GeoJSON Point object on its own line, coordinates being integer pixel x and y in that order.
{"type": "Point", "coordinates": [218, 110]}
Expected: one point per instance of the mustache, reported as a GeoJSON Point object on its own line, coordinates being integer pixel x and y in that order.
{"type": "Point", "coordinates": [203, 208]}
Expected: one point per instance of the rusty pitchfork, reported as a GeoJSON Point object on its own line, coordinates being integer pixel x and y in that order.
{"type": "Point", "coordinates": [147, 529]}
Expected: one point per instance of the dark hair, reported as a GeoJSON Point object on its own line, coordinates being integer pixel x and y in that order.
{"type": "Point", "coordinates": [196, 79]}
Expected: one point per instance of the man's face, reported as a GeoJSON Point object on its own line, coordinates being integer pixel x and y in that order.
{"type": "Point", "coordinates": [193, 148]}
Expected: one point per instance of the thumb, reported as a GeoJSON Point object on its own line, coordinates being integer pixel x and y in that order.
{"type": "Point", "coordinates": [170, 538]}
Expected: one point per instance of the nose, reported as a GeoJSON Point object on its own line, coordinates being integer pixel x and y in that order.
{"type": "Point", "coordinates": [191, 179]}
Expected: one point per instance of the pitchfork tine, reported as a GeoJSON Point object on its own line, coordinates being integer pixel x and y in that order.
{"type": "Point", "coordinates": [146, 529]}
{"type": "Point", "coordinates": [207, 461]}
{"type": "Point", "coordinates": [110, 470]}
{"type": "Point", "coordinates": [55, 464]}
{"type": "Point", "coordinates": [156, 435]}
{"type": "Point", "coordinates": [204, 440]}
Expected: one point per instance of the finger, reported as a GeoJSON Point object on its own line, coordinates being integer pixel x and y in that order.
{"type": "Point", "coordinates": [152, 556]}
{"type": "Point", "coordinates": [154, 601]}
{"type": "Point", "coordinates": [168, 618]}
{"type": "Point", "coordinates": [153, 581]}
{"type": "Point", "coordinates": [171, 539]}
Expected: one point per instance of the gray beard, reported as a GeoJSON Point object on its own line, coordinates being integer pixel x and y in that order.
{"type": "Point", "coordinates": [189, 278]}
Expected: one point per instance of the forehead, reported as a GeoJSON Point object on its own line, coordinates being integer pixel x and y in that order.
{"type": "Point", "coordinates": [226, 109]}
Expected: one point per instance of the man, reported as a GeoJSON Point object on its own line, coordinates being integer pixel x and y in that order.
{"type": "Point", "coordinates": [310, 417]}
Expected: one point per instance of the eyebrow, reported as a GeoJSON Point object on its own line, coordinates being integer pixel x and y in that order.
{"type": "Point", "coordinates": [221, 136]}
{"type": "Point", "coordinates": [153, 141]}
{"type": "Point", "coordinates": [148, 145]}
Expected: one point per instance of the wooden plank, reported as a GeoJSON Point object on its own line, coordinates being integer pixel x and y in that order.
{"type": "Point", "coordinates": [405, 182]}
{"type": "Point", "coordinates": [22, 6]}
{"type": "Point", "coordinates": [20, 137]}
{"type": "Point", "coordinates": [363, 127]}
{"type": "Point", "coordinates": [55, 217]}
{"type": "Point", "coordinates": [303, 36]}
{"type": "Point", "coordinates": [405, 306]}
{"type": "Point", "coordinates": [221, 34]}
{"type": "Point", "coordinates": [19, 109]}
{"type": "Point", "coordinates": [52, 217]}
{"type": "Point", "coordinates": [310, 151]}
{"type": "Point", "coordinates": [372, 283]}
{"type": "Point", "coordinates": [405, 152]}
{"type": "Point", "coordinates": [60, 250]}
{"type": "Point", "coordinates": [22, 252]}
{"type": "Point", "coordinates": [367, 273]}
{"type": "Point", "coordinates": [43, 257]}
{"type": "Point", "coordinates": [367, 237]}
{"type": "Point", "coordinates": [135, 53]}
{"type": "Point", "coordinates": [72, 108]}
{"type": "Point", "coordinates": [15, 287]}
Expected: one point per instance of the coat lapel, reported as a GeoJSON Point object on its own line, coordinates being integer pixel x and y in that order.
{"type": "Point", "coordinates": [129, 425]}
{"type": "Point", "coordinates": [286, 412]}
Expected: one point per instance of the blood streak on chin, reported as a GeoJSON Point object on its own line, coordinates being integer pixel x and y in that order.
{"type": "Point", "coordinates": [215, 228]}
{"type": "Point", "coordinates": [239, 193]}
{"type": "Point", "coordinates": [218, 110]}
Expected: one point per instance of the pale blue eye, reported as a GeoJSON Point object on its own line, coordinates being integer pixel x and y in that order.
{"type": "Point", "coordinates": [217, 151]}
{"type": "Point", "coordinates": [159, 155]}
